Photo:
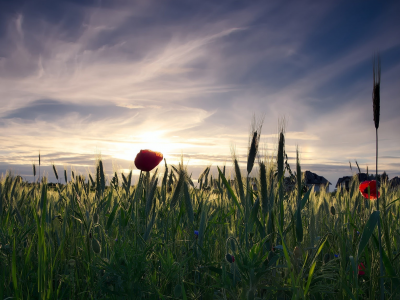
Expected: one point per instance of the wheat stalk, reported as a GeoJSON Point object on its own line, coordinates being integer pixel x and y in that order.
{"type": "Point", "coordinates": [376, 103]}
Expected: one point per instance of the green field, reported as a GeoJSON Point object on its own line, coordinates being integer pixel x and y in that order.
{"type": "Point", "coordinates": [87, 240]}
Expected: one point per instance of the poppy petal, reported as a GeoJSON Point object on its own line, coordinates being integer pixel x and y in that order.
{"type": "Point", "coordinates": [361, 269]}
{"type": "Point", "coordinates": [147, 160]}
{"type": "Point", "coordinates": [373, 193]}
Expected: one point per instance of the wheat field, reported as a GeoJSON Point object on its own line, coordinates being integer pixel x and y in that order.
{"type": "Point", "coordinates": [228, 237]}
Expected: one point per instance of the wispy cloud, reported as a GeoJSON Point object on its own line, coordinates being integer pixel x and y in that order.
{"type": "Point", "coordinates": [186, 78]}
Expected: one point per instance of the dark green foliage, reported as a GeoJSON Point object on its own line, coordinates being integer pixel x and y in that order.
{"type": "Point", "coordinates": [239, 182]}
{"type": "Point", "coordinates": [188, 203]}
{"type": "Point", "coordinates": [299, 223]}
{"type": "Point", "coordinates": [68, 243]}
{"type": "Point", "coordinates": [264, 189]}
{"type": "Point", "coordinates": [150, 194]}
{"type": "Point", "coordinates": [368, 231]}
{"type": "Point", "coordinates": [280, 162]}
{"type": "Point", "coordinates": [177, 191]}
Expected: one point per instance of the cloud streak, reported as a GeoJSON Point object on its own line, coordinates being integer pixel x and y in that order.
{"type": "Point", "coordinates": [114, 78]}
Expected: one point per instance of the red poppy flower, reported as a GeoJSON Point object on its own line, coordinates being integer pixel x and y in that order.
{"type": "Point", "coordinates": [230, 258]}
{"type": "Point", "coordinates": [147, 160]}
{"type": "Point", "coordinates": [361, 269]}
{"type": "Point", "coordinates": [373, 193]}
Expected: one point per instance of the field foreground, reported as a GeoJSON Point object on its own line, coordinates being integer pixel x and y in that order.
{"type": "Point", "coordinates": [245, 238]}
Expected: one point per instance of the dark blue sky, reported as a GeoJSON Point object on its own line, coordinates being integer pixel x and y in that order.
{"type": "Point", "coordinates": [113, 77]}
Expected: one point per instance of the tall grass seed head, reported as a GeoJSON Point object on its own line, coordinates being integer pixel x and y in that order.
{"type": "Point", "coordinates": [376, 101]}
{"type": "Point", "coordinates": [252, 152]}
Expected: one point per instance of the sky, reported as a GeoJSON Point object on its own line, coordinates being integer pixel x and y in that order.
{"type": "Point", "coordinates": [81, 80]}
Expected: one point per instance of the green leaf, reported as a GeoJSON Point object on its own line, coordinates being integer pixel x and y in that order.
{"type": "Point", "coordinates": [354, 267]}
{"type": "Point", "coordinates": [299, 226]}
{"type": "Point", "coordinates": [311, 272]}
{"type": "Point", "coordinates": [386, 262]}
{"type": "Point", "coordinates": [305, 199]}
{"type": "Point", "coordinates": [183, 292]}
{"type": "Point", "coordinates": [28, 255]}
{"type": "Point", "coordinates": [177, 192]}
{"type": "Point", "coordinates": [149, 227]}
{"type": "Point", "coordinates": [282, 211]}
{"type": "Point", "coordinates": [203, 225]}
{"type": "Point", "coordinates": [112, 216]}
{"type": "Point", "coordinates": [188, 203]}
{"type": "Point", "coordinates": [368, 230]}
{"type": "Point", "coordinates": [254, 210]}
{"type": "Point", "coordinates": [14, 268]}
{"type": "Point", "coordinates": [388, 206]}
{"type": "Point", "coordinates": [286, 254]}
{"type": "Point", "coordinates": [79, 220]}
{"type": "Point", "coordinates": [348, 291]}
{"type": "Point", "coordinates": [228, 187]}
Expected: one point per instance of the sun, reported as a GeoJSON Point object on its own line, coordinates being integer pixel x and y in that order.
{"type": "Point", "coordinates": [152, 140]}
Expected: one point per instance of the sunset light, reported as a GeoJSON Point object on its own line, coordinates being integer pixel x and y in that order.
{"type": "Point", "coordinates": [199, 150]}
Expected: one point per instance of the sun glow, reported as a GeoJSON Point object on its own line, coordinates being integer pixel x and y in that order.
{"type": "Point", "coordinates": [154, 141]}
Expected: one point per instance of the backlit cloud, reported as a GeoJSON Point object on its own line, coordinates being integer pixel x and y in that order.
{"type": "Point", "coordinates": [78, 79]}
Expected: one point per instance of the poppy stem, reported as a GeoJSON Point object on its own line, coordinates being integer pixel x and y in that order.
{"type": "Point", "coordinates": [382, 291]}
{"type": "Point", "coordinates": [137, 208]}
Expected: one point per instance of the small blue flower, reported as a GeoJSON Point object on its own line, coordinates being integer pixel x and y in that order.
{"type": "Point", "coordinates": [116, 239]}
{"type": "Point", "coordinates": [336, 255]}
{"type": "Point", "coordinates": [358, 232]}
{"type": "Point", "coordinates": [196, 233]}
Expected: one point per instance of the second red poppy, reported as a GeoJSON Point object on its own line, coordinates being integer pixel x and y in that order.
{"type": "Point", "coordinates": [373, 193]}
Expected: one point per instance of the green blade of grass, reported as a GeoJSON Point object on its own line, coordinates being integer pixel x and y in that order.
{"type": "Point", "coordinates": [14, 269]}
{"type": "Point", "coordinates": [305, 199]}
{"type": "Point", "coordinates": [386, 262]}
{"type": "Point", "coordinates": [112, 216]}
{"type": "Point", "coordinates": [183, 292]}
{"type": "Point", "coordinates": [312, 269]}
{"type": "Point", "coordinates": [299, 226]}
{"type": "Point", "coordinates": [228, 187]}
{"type": "Point", "coordinates": [367, 232]}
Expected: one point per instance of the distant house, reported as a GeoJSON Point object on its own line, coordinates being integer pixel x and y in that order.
{"type": "Point", "coordinates": [316, 181]}
{"type": "Point", "coordinates": [344, 183]}
{"type": "Point", "coordinates": [363, 177]}
{"type": "Point", "coordinates": [394, 182]}
{"type": "Point", "coordinates": [310, 179]}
